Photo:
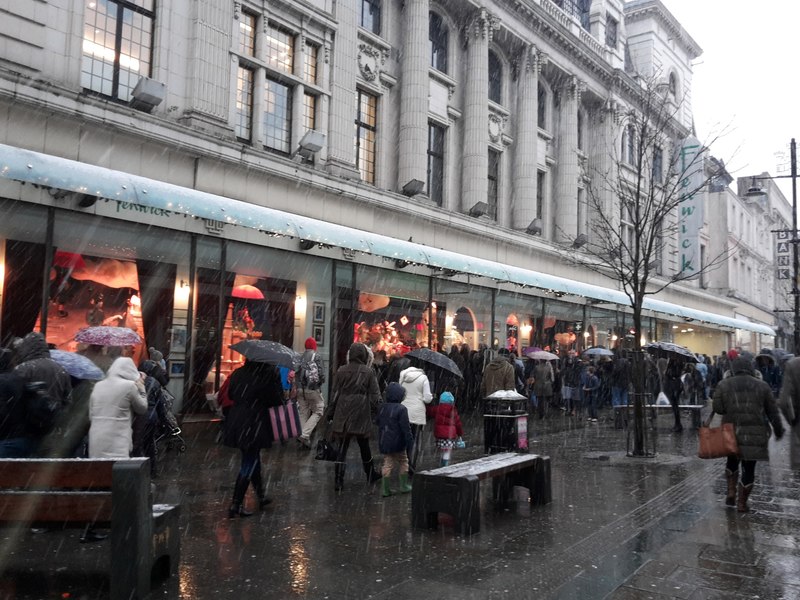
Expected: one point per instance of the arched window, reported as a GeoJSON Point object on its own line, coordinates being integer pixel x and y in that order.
{"type": "Point", "coordinates": [628, 150]}
{"type": "Point", "coordinates": [438, 36]}
{"type": "Point", "coordinates": [495, 78]}
{"type": "Point", "coordinates": [673, 85]}
{"type": "Point", "coordinates": [541, 108]}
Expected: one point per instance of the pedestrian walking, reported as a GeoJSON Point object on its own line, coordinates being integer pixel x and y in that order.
{"type": "Point", "coordinates": [394, 438]}
{"type": "Point", "coordinates": [447, 429]}
{"type": "Point", "coordinates": [352, 411]}
{"type": "Point", "coordinates": [591, 389]}
{"type": "Point", "coordinates": [417, 397]}
{"type": "Point", "coordinates": [790, 406]}
{"type": "Point", "coordinates": [747, 402]}
{"type": "Point", "coordinates": [498, 374]}
{"type": "Point", "coordinates": [145, 426]}
{"type": "Point", "coordinates": [308, 381]}
{"type": "Point", "coordinates": [620, 384]}
{"type": "Point", "coordinates": [254, 388]}
{"type": "Point", "coordinates": [15, 439]}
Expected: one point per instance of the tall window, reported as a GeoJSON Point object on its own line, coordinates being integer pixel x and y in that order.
{"type": "Point", "coordinates": [541, 108]}
{"type": "Point", "coordinates": [611, 32]}
{"type": "Point", "coordinates": [280, 49]}
{"type": "Point", "coordinates": [366, 127]}
{"type": "Point", "coordinates": [437, 37]}
{"type": "Point", "coordinates": [580, 129]}
{"type": "Point", "coordinates": [540, 193]}
{"type": "Point", "coordinates": [629, 144]}
{"type": "Point", "coordinates": [371, 16]}
{"type": "Point", "coordinates": [277, 94]}
{"type": "Point", "coordinates": [658, 164]}
{"type": "Point", "coordinates": [494, 178]}
{"type": "Point", "coordinates": [627, 231]}
{"type": "Point", "coordinates": [673, 85]}
{"type": "Point", "coordinates": [310, 75]}
{"type": "Point", "coordinates": [117, 46]}
{"type": "Point", "coordinates": [245, 77]}
{"type": "Point", "coordinates": [495, 78]}
{"type": "Point", "coordinates": [436, 163]}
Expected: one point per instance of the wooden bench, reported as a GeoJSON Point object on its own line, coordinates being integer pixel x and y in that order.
{"type": "Point", "coordinates": [455, 489]}
{"type": "Point", "coordinates": [74, 493]}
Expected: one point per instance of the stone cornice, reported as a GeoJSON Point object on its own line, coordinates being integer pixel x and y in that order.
{"type": "Point", "coordinates": [638, 10]}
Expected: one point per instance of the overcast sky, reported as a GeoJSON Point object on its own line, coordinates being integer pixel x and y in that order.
{"type": "Point", "coordinates": [745, 84]}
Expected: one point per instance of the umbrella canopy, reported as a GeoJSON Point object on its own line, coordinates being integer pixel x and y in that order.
{"type": "Point", "coordinates": [598, 352]}
{"type": "Point", "coordinates": [540, 354]}
{"type": "Point", "coordinates": [68, 260]}
{"type": "Point", "coordinates": [247, 292]}
{"type": "Point", "coordinates": [670, 350]}
{"type": "Point", "coordinates": [77, 366]}
{"type": "Point", "coordinates": [435, 359]}
{"type": "Point", "coordinates": [267, 351]}
{"type": "Point", "coordinates": [104, 335]}
{"type": "Point", "coordinates": [506, 395]}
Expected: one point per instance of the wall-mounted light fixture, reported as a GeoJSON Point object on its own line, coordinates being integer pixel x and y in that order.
{"type": "Point", "coordinates": [535, 228]}
{"type": "Point", "coordinates": [85, 200]}
{"type": "Point", "coordinates": [147, 94]}
{"type": "Point", "coordinates": [413, 187]}
{"type": "Point", "coordinates": [479, 209]}
{"type": "Point", "coordinates": [580, 241]}
{"type": "Point", "coordinates": [311, 143]}
{"type": "Point", "coordinates": [184, 284]}
{"type": "Point", "coordinates": [401, 264]}
{"type": "Point", "coordinates": [307, 244]}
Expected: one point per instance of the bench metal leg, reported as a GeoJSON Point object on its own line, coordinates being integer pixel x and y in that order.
{"type": "Point", "coordinates": [459, 498]}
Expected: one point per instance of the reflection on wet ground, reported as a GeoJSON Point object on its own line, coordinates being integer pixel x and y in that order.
{"type": "Point", "coordinates": [618, 527]}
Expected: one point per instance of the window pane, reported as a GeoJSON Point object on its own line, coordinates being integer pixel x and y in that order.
{"type": "Point", "coordinates": [309, 111]}
{"type": "Point", "coordinates": [541, 109]}
{"type": "Point", "coordinates": [495, 78]}
{"type": "Point", "coordinates": [310, 63]}
{"type": "Point", "coordinates": [244, 103]}
{"type": "Point", "coordinates": [436, 163]}
{"type": "Point", "coordinates": [366, 118]}
{"type": "Point", "coordinates": [371, 15]}
{"type": "Point", "coordinates": [277, 116]}
{"type": "Point", "coordinates": [247, 34]}
{"type": "Point", "coordinates": [494, 172]}
{"type": "Point", "coordinates": [280, 50]}
{"type": "Point", "coordinates": [438, 36]}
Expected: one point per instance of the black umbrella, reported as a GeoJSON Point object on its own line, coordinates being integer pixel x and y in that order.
{"type": "Point", "coordinates": [267, 351]}
{"type": "Point", "coordinates": [670, 350]}
{"type": "Point", "coordinates": [436, 359]}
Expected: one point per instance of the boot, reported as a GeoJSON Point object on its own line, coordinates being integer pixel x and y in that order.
{"type": "Point", "coordinates": [338, 474]}
{"type": "Point", "coordinates": [405, 487]}
{"type": "Point", "coordinates": [237, 505]}
{"type": "Point", "coordinates": [372, 474]}
{"type": "Point", "coordinates": [744, 494]}
{"type": "Point", "coordinates": [733, 479]}
{"type": "Point", "coordinates": [260, 490]}
{"type": "Point", "coordinates": [385, 489]}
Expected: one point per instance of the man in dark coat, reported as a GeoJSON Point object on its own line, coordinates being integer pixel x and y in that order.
{"type": "Point", "coordinates": [254, 388]}
{"type": "Point", "coordinates": [790, 406]}
{"type": "Point", "coordinates": [498, 375]}
{"type": "Point", "coordinates": [748, 403]}
{"type": "Point", "coordinates": [355, 399]}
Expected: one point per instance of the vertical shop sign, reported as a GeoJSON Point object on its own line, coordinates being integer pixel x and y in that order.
{"type": "Point", "coordinates": [690, 206]}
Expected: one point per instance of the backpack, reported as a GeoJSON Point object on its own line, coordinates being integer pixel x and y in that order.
{"type": "Point", "coordinates": [310, 376]}
{"type": "Point", "coordinates": [41, 410]}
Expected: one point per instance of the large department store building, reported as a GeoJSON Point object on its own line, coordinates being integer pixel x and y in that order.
{"type": "Point", "coordinates": [401, 173]}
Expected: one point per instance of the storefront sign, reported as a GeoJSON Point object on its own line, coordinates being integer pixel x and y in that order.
{"type": "Point", "coordinates": [690, 207]}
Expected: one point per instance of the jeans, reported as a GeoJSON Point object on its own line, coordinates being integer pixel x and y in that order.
{"type": "Point", "coordinates": [619, 396]}
{"type": "Point", "coordinates": [310, 405]}
{"type": "Point", "coordinates": [21, 447]}
{"type": "Point", "coordinates": [591, 399]}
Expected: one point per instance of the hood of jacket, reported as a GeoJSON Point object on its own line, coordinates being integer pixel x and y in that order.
{"type": "Point", "coordinates": [359, 353]}
{"type": "Point", "coordinates": [741, 366]}
{"type": "Point", "coordinates": [124, 368]}
{"type": "Point", "coordinates": [498, 364]}
{"type": "Point", "coordinates": [395, 392]}
{"type": "Point", "coordinates": [32, 346]}
{"type": "Point", "coordinates": [411, 374]}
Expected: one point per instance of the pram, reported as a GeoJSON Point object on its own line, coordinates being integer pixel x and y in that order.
{"type": "Point", "coordinates": [168, 433]}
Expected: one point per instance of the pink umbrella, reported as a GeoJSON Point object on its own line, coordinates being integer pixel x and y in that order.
{"type": "Point", "coordinates": [103, 335]}
{"type": "Point", "coordinates": [247, 292]}
{"type": "Point", "coordinates": [68, 260]}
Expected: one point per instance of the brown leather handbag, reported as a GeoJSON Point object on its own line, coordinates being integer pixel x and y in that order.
{"type": "Point", "coordinates": [716, 442]}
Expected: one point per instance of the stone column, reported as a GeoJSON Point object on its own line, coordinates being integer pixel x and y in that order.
{"type": "Point", "coordinates": [475, 158]}
{"type": "Point", "coordinates": [414, 92]}
{"type": "Point", "coordinates": [602, 164]}
{"type": "Point", "coordinates": [566, 184]}
{"type": "Point", "coordinates": [523, 203]}
{"type": "Point", "coordinates": [341, 149]}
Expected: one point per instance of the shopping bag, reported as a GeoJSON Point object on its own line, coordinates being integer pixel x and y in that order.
{"type": "Point", "coordinates": [325, 451]}
{"type": "Point", "coordinates": [285, 420]}
{"type": "Point", "coordinates": [716, 442]}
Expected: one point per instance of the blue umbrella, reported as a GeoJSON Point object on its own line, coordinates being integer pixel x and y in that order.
{"type": "Point", "coordinates": [77, 366]}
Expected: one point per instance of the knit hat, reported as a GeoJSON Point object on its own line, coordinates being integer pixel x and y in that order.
{"type": "Point", "coordinates": [446, 398]}
{"type": "Point", "coordinates": [395, 392]}
{"type": "Point", "coordinates": [732, 354]}
{"type": "Point", "coordinates": [311, 344]}
{"type": "Point", "coordinates": [155, 355]}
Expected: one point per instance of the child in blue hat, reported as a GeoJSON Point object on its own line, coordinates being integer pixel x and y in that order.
{"type": "Point", "coordinates": [447, 427]}
{"type": "Point", "coordinates": [394, 438]}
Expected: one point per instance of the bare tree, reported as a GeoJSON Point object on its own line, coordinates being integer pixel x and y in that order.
{"type": "Point", "coordinates": [641, 197]}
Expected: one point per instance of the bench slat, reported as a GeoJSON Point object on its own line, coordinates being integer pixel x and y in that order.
{"type": "Point", "coordinates": [485, 467]}
{"type": "Point", "coordinates": [48, 473]}
{"type": "Point", "coordinates": [55, 507]}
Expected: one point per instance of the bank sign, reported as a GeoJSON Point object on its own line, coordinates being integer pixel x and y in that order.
{"type": "Point", "coordinates": [690, 206]}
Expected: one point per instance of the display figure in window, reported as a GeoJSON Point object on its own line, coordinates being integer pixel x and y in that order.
{"type": "Point", "coordinates": [243, 321]}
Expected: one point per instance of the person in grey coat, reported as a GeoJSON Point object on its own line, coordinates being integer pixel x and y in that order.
{"type": "Point", "coordinates": [352, 412]}
{"type": "Point", "coordinates": [747, 402]}
{"type": "Point", "coordinates": [790, 406]}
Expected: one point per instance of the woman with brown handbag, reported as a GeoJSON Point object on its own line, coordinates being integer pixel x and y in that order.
{"type": "Point", "coordinates": [747, 403]}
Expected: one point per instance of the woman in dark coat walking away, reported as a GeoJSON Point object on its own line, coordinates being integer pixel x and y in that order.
{"type": "Point", "coordinates": [356, 397]}
{"type": "Point", "coordinates": [748, 403]}
{"type": "Point", "coordinates": [253, 389]}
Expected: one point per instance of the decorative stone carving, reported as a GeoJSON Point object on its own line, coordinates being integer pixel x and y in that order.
{"type": "Point", "coordinates": [370, 61]}
{"type": "Point", "coordinates": [497, 125]}
{"type": "Point", "coordinates": [483, 25]}
{"type": "Point", "coordinates": [237, 10]}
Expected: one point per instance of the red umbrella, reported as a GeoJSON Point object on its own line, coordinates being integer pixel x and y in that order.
{"type": "Point", "coordinates": [247, 292]}
{"type": "Point", "coordinates": [68, 260]}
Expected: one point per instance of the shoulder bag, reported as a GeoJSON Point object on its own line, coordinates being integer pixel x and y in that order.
{"type": "Point", "coordinates": [716, 442]}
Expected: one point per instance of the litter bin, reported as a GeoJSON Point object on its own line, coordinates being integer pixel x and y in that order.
{"type": "Point", "coordinates": [505, 422]}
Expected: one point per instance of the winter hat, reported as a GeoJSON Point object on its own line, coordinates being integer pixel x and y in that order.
{"type": "Point", "coordinates": [446, 398]}
{"type": "Point", "coordinates": [732, 354]}
{"type": "Point", "coordinates": [395, 392]}
{"type": "Point", "coordinates": [155, 355]}
{"type": "Point", "coordinates": [311, 344]}
{"type": "Point", "coordinates": [741, 365]}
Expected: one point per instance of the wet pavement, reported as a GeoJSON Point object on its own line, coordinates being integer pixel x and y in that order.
{"type": "Point", "coordinates": [618, 527]}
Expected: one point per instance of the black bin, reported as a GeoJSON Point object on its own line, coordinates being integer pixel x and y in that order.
{"type": "Point", "coordinates": [505, 425]}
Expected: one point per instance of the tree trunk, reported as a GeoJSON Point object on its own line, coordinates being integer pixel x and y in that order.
{"type": "Point", "coordinates": [639, 388]}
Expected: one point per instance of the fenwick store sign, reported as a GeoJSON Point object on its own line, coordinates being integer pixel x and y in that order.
{"type": "Point", "coordinates": [690, 207]}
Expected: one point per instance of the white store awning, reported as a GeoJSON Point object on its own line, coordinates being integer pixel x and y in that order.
{"type": "Point", "coordinates": [64, 174]}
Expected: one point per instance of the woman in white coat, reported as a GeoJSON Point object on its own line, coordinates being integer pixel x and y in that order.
{"type": "Point", "coordinates": [113, 402]}
{"type": "Point", "coordinates": [418, 394]}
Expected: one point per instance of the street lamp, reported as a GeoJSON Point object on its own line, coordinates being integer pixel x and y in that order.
{"type": "Point", "coordinates": [757, 191]}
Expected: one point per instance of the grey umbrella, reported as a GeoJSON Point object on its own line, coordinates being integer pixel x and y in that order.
{"type": "Point", "coordinates": [598, 351]}
{"type": "Point", "coordinates": [436, 359]}
{"type": "Point", "coordinates": [670, 350]}
{"type": "Point", "coordinates": [77, 366]}
{"type": "Point", "coordinates": [267, 351]}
